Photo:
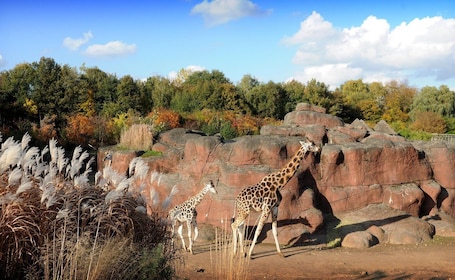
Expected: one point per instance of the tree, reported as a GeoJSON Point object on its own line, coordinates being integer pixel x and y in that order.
{"type": "Point", "coordinates": [432, 99]}
{"type": "Point", "coordinates": [129, 95]}
{"type": "Point", "coordinates": [70, 95]}
{"type": "Point", "coordinates": [295, 92]}
{"type": "Point", "coordinates": [347, 99]}
{"type": "Point", "coordinates": [247, 83]}
{"type": "Point", "coordinates": [161, 90]}
{"type": "Point", "coordinates": [15, 91]}
{"type": "Point", "coordinates": [398, 101]}
{"type": "Point", "coordinates": [98, 87]}
{"type": "Point", "coordinates": [268, 100]}
{"type": "Point", "coordinates": [46, 89]}
{"type": "Point", "coordinates": [202, 90]}
{"type": "Point", "coordinates": [317, 93]}
{"type": "Point", "coordinates": [429, 122]}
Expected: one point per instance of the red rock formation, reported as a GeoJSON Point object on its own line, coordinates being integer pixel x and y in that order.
{"type": "Point", "coordinates": [357, 167]}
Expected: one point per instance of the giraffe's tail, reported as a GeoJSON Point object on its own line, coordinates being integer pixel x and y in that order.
{"type": "Point", "coordinates": [233, 216]}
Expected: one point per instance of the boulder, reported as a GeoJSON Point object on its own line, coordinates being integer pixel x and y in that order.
{"type": "Point", "coordinates": [440, 157]}
{"type": "Point", "coordinates": [309, 107]}
{"type": "Point", "coordinates": [311, 117]}
{"type": "Point", "coordinates": [406, 197]}
{"type": "Point", "coordinates": [431, 191]}
{"type": "Point", "coordinates": [359, 239]}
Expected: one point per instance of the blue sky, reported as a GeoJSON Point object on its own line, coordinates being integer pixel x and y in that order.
{"type": "Point", "coordinates": [331, 41]}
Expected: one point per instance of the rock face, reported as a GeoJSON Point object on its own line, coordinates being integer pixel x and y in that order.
{"type": "Point", "coordinates": [357, 167]}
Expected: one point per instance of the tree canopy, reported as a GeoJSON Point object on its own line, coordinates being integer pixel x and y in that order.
{"type": "Point", "coordinates": [84, 101]}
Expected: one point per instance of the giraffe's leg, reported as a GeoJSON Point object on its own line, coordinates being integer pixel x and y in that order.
{"type": "Point", "coordinates": [263, 218]}
{"type": "Point", "coordinates": [180, 232]}
{"type": "Point", "coordinates": [234, 228]}
{"type": "Point", "coordinates": [274, 229]}
{"type": "Point", "coordinates": [196, 231]}
{"type": "Point", "coordinates": [237, 233]}
{"type": "Point", "coordinates": [190, 247]}
{"type": "Point", "coordinates": [241, 232]}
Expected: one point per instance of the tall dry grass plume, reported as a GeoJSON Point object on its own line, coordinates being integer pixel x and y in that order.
{"type": "Point", "coordinates": [224, 264]}
{"type": "Point", "coordinates": [55, 224]}
{"type": "Point", "coordinates": [137, 136]}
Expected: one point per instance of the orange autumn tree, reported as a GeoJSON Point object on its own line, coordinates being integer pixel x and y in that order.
{"type": "Point", "coordinates": [80, 129]}
{"type": "Point", "coordinates": [163, 119]}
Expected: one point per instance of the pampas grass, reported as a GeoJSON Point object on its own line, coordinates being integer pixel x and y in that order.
{"type": "Point", "coordinates": [55, 224]}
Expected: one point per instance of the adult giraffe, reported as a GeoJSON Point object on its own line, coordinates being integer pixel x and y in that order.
{"type": "Point", "coordinates": [265, 197]}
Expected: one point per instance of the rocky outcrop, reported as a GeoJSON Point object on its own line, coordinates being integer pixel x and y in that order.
{"type": "Point", "coordinates": [357, 167]}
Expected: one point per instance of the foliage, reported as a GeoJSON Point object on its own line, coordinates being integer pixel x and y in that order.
{"type": "Point", "coordinates": [450, 125]}
{"type": "Point", "coordinates": [429, 122]}
{"type": "Point", "coordinates": [80, 129]}
{"type": "Point", "coordinates": [32, 92]}
{"type": "Point", "coordinates": [439, 100]}
{"type": "Point", "coordinates": [163, 119]}
{"type": "Point", "coordinates": [151, 153]}
{"type": "Point", "coordinates": [46, 130]}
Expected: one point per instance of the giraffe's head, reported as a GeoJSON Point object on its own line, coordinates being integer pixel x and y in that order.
{"type": "Point", "coordinates": [210, 187]}
{"type": "Point", "coordinates": [309, 146]}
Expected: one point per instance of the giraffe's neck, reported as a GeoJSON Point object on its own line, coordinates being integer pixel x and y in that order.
{"type": "Point", "coordinates": [283, 175]}
{"type": "Point", "coordinates": [195, 200]}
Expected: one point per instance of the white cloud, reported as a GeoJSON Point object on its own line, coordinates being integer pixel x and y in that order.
{"type": "Point", "coordinates": [74, 44]}
{"type": "Point", "coordinates": [189, 70]}
{"type": "Point", "coordinates": [222, 11]}
{"type": "Point", "coordinates": [421, 48]}
{"type": "Point", "coordinates": [114, 48]}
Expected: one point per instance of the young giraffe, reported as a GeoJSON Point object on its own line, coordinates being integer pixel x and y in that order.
{"type": "Point", "coordinates": [265, 196]}
{"type": "Point", "coordinates": [186, 212]}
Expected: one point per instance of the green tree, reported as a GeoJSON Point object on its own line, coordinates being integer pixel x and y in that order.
{"type": "Point", "coordinates": [348, 97]}
{"type": "Point", "coordinates": [98, 87]}
{"type": "Point", "coordinates": [203, 90]}
{"type": "Point", "coordinates": [295, 92]}
{"type": "Point", "coordinates": [161, 90]}
{"type": "Point", "coordinates": [268, 100]}
{"type": "Point", "coordinates": [317, 93]}
{"type": "Point", "coordinates": [15, 92]}
{"type": "Point", "coordinates": [232, 100]}
{"type": "Point", "coordinates": [247, 83]}
{"type": "Point", "coordinates": [129, 95]}
{"type": "Point", "coordinates": [70, 95]}
{"type": "Point", "coordinates": [46, 88]}
{"type": "Point", "coordinates": [438, 100]}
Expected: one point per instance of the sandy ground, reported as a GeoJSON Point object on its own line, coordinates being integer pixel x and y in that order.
{"type": "Point", "coordinates": [434, 260]}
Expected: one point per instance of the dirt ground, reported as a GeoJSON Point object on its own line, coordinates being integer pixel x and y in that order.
{"type": "Point", "coordinates": [434, 260]}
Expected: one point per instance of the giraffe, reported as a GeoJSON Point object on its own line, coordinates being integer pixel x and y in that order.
{"type": "Point", "coordinates": [186, 212]}
{"type": "Point", "coordinates": [265, 197]}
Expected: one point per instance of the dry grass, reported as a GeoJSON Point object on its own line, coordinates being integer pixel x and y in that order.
{"type": "Point", "coordinates": [54, 224]}
{"type": "Point", "coordinates": [137, 136]}
{"type": "Point", "coordinates": [224, 264]}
